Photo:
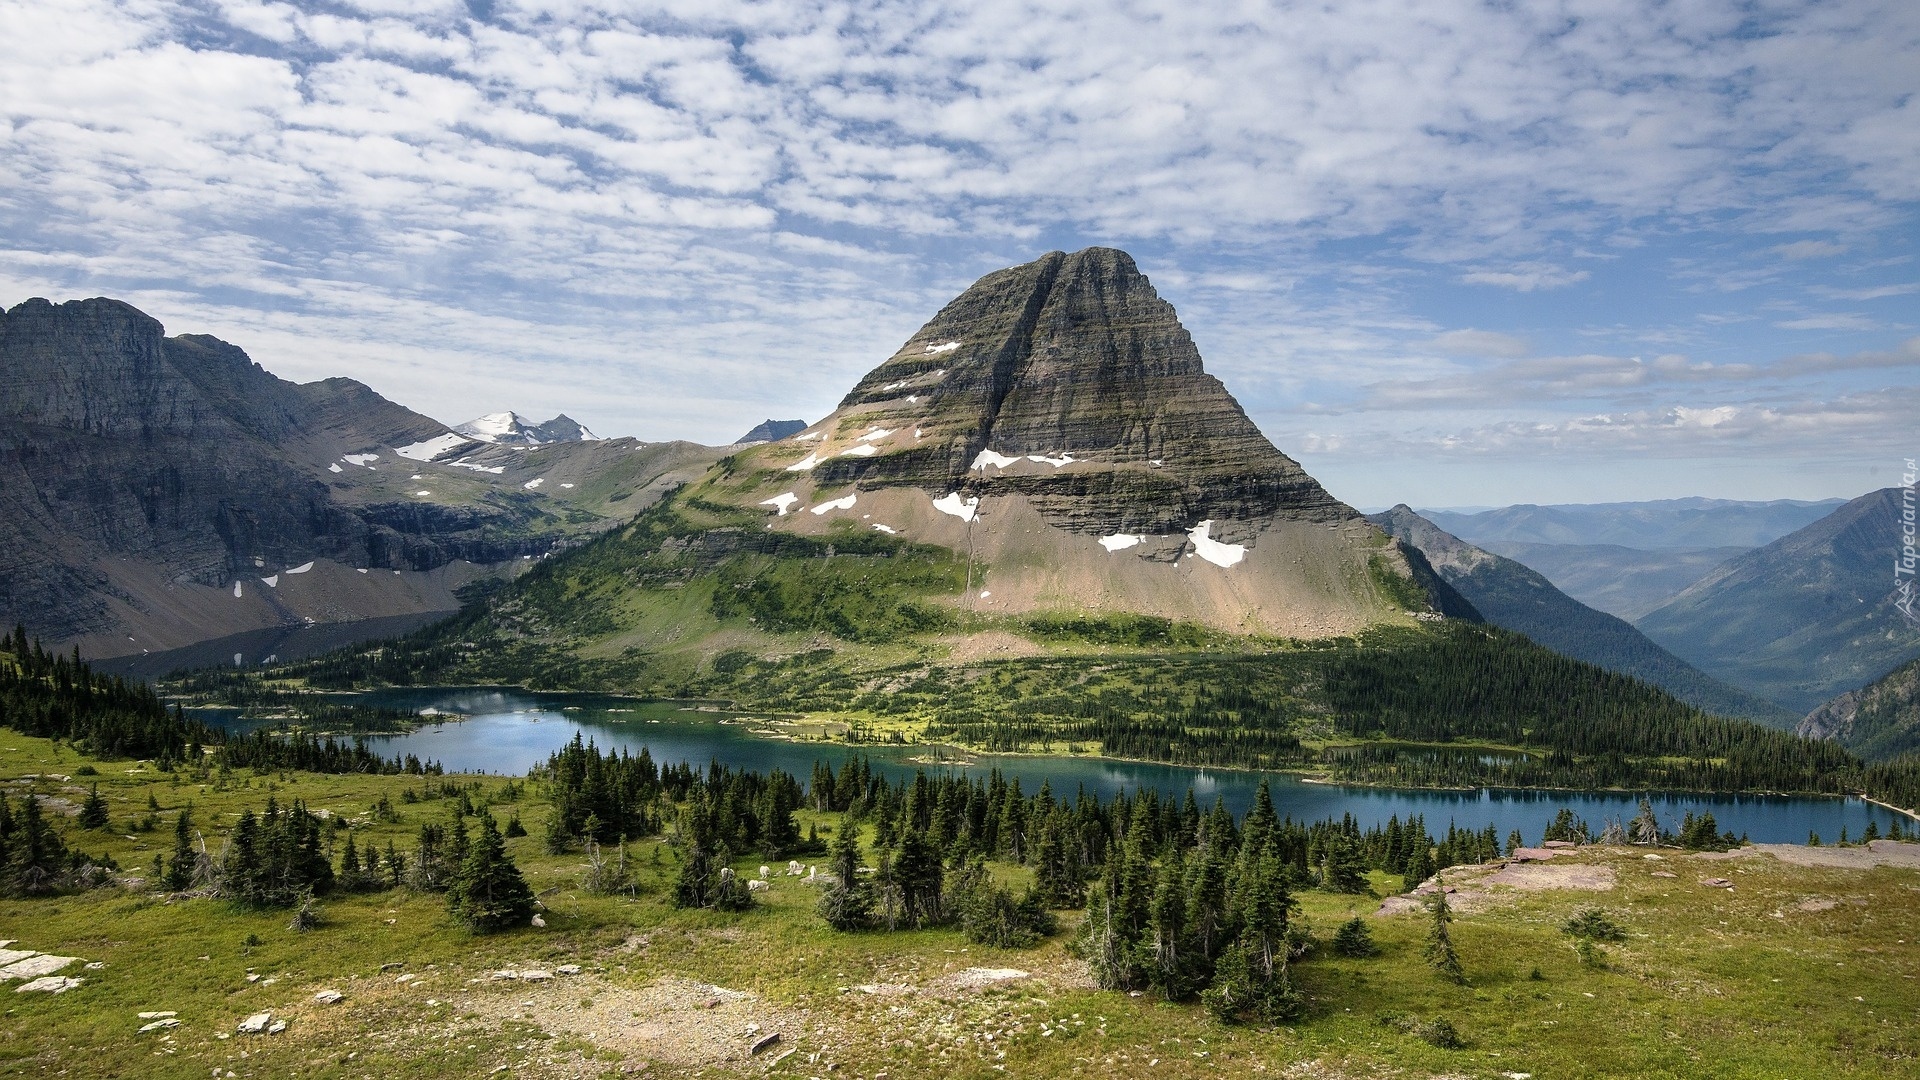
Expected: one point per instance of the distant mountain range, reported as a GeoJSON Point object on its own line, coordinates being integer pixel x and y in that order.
{"type": "Point", "coordinates": [1803, 618]}
{"type": "Point", "coordinates": [1511, 595]}
{"type": "Point", "coordinates": [1663, 525]}
{"type": "Point", "coordinates": [1623, 581]}
{"type": "Point", "coordinates": [512, 429]}
{"type": "Point", "coordinates": [158, 491]}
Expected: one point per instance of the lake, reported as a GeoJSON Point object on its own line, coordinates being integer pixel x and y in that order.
{"type": "Point", "coordinates": [508, 731]}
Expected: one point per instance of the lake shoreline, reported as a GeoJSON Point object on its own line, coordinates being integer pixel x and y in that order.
{"type": "Point", "coordinates": [1319, 777]}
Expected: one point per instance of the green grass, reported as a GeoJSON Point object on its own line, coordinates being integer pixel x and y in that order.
{"type": "Point", "coordinates": [1709, 983]}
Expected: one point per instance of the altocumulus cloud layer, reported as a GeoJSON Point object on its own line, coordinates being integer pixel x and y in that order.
{"type": "Point", "coordinates": [1567, 250]}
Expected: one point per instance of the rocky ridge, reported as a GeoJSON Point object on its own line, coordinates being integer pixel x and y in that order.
{"type": "Point", "coordinates": [1877, 721]}
{"type": "Point", "coordinates": [512, 429]}
{"type": "Point", "coordinates": [156, 491]}
{"type": "Point", "coordinates": [771, 430]}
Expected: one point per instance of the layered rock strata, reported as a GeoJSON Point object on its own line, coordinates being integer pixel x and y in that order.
{"type": "Point", "coordinates": [1068, 380]}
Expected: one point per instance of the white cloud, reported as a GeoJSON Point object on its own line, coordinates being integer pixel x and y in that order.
{"type": "Point", "coordinates": [636, 198]}
{"type": "Point", "coordinates": [1527, 277]}
{"type": "Point", "coordinates": [1480, 343]}
{"type": "Point", "coordinates": [1810, 249]}
{"type": "Point", "coordinates": [1833, 321]}
{"type": "Point", "coordinates": [1852, 426]}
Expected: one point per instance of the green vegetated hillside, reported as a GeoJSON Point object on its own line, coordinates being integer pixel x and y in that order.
{"type": "Point", "coordinates": [861, 629]}
{"type": "Point", "coordinates": [1877, 722]}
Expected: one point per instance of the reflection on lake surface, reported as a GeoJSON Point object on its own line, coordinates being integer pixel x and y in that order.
{"type": "Point", "coordinates": [508, 731]}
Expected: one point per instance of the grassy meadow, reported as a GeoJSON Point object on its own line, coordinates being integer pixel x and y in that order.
{"type": "Point", "coordinates": [1795, 972]}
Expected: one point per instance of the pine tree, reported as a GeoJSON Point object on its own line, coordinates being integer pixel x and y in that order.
{"type": "Point", "coordinates": [396, 867]}
{"type": "Point", "coordinates": [1172, 959]}
{"type": "Point", "coordinates": [35, 855]}
{"type": "Point", "coordinates": [1103, 941]}
{"type": "Point", "coordinates": [349, 875]}
{"type": "Point", "coordinates": [93, 812]}
{"type": "Point", "coordinates": [1354, 940]}
{"type": "Point", "coordinates": [1207, 914]}
{"type": "Point", "coordinates": [1645, 828]}
{"type": "Point", "coordinates": [240, 869]}
{"type": "Point", "coordinates": [1439, 949]}
{"type": "Point", "coordinates": [848, 903]}
{"type": "Point", "coordinates": [919, 877]}
{"type": "Point", "coordinates": [1420, 862]}
{"type": "Point", "coordinates": [1342, 869]}
{"type": "Point", "coordinates": [489, 894]}
{"type": "Point", "coordinates": [727, 892]}
{"type": "Point", "coordinates": [695, 882]}
{"type": "Point", "coordinates": [180, 871]}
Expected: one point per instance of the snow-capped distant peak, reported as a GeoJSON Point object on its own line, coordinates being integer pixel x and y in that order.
{"type": "Point", "coordinates": [493, 427]}
{"type": "Point", "coordinates": [512, 429]}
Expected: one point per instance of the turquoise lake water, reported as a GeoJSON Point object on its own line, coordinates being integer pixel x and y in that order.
{"type": "Point", "coordinates": [508, 731]}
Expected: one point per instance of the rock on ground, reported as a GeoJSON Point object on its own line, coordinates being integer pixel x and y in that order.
{"type": "Point", "coordinates": [980, 978]}
{"type": "Point", "coordinates": [36, 965]}
{"type": "Point", "coordinates": [51, 984]}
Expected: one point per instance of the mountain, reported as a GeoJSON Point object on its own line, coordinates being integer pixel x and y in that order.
{"type": "Point", "coordinates": [1055, 422]}
{"type": "Point", "coordinates": [1044, 464]}
{"type": "Point", "coordinates": [1667, 524]}
{"type": "Point", "coordinates": [1876, 722]}
{"type": "Point", "coordinates": [771, 430]}
{"type": "Point", "coordinates": [1515, 597]}
{"type": "Point", "coordinates": [157, 491]}
{"type": "Point", "coordinates": [1040, 525]}
{"type": "Point", "coordinates": [1623, 581]}
{"type": "Point", "coordinates": [1805, 617]}
{"type": "Point", "coordinates": [512, 429]}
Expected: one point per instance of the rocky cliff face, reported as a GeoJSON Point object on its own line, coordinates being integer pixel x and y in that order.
{"type": "Point", "coordinates": [770, 430]}
{"type": "Point", "coordinates": [1070, 381]}
{"type": "Point", "coordinates": [152, 488]}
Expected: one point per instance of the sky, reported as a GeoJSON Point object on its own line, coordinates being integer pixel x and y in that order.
{"type": "Point", "coordinates": [1447, 253]}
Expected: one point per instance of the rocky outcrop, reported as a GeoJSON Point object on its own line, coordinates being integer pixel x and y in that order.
{"type": "Point", "coordinates": [1074, 359]}
{"type": "Point", "coordinates": [771, 430]}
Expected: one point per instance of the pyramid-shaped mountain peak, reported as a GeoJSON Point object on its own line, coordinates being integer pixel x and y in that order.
{"type": "Point", "coordinates": [1070, 381]}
